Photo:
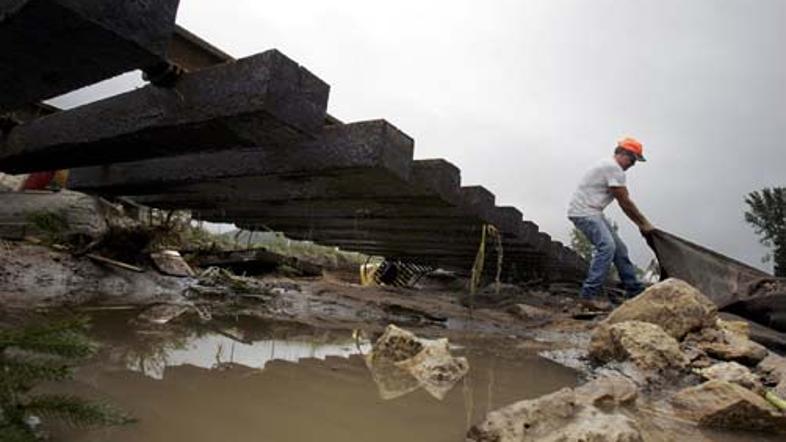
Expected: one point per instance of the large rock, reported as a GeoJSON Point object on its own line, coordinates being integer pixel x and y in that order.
{"type": "Point", "coordinates": [673, 304]}
{"type": "Point", "coordinates": [608, 392]}
{"type": "Point", "coordinates": [731, 372]}
{"type": "Point", "coordinates": [647, 345]}
{"type": "Point", "coordinates": [722, 404]}
{"type": "Point", "coordinates": [773, 367]}
{"type": "Point", "coordinates": [728, 345]}
{"type": "Point", "coordinates": [566, 415]}
{"type": "Point", "coordinates": [400, 363]}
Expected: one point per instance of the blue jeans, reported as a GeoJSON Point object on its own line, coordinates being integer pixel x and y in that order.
{"type": "Point", "coordinates": [608, 248]}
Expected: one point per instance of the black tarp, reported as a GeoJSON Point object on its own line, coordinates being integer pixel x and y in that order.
{"type": "Point", "coordinates": [734, 286]}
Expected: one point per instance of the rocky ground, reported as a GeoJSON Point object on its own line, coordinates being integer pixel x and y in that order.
{"type": "Point", "coordinates": [659, 367]}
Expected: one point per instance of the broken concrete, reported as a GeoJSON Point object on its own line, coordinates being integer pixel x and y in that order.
{"type": "Point", "coordinates": [728, 346]}
{"type": "Point", "coordinates": [731, 372]}
{"type": "Point", "coordinates": [773, 368]}
{"type": "Point", "coordinates": [400, 363]}
{"type": "Point", "coordinates": [672, 304]}
{"type": "Point", "coordinates": [647, 345]}
{"type": "Point", "coordinates": [56, 46]}
{"type": "Point", "coordinates": [722, 404]}
{"type": "Point", "coordinates": [262, 100]}
{"type": "Point", "coordinates": [255, 262]}
{"type": "Point", "coordinates": [567, 414]}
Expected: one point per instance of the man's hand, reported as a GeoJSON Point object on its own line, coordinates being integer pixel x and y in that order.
{"type": "Point", "coordinates": [647, 228]}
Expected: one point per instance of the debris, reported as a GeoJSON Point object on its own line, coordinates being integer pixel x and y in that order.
{"type": "Point", "coordinates": [647, 345]}
{"type": "Point", "coordinates": [674, 305]}
{"type": "Point", "coordinates": [722, 404]}
{"type": "Point", "coordinates": [400, 363]}
{"type": "Point", "coordinates": [255, 261]}
{"type": "Point", "coordinates": [773, 368]}
{"type": "Point", "coordinates": [112, 262]}
{"type": "Point", "coordinates": [775, 400]}
{"type": "Point", "coordinates": [729, 346]}
{"type": "Point", "coordinates": [169, 262]}
{"type": "Point", "coordinates": [529, 312]}
{"type": "Point", "coordinates": [731, 372]}
{"type": "Point", "coordinates": [608, 392]}
{"type": "Point", "coordinates": [568, 414]}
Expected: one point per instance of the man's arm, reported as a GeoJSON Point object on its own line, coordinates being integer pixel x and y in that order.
{"type": "Point", "coordinates": [626, 204]}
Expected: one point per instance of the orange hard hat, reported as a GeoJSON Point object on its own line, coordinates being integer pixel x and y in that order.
{"type": "Point", "coordinates": [633, 146]}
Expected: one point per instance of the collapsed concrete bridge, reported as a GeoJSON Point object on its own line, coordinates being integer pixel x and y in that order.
{"type": "Point", "coordinates": [249, 142]}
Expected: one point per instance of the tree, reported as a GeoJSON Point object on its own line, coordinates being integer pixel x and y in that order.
{"type": "Point", "coordinates": [582, 245]}
{"type": "Point", "coordinates": [767, 215]}
{"type": "Point", "coordinates": [45, 352]}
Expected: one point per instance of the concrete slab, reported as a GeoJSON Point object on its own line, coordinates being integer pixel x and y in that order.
{"type": "Point", "coordinates": [262, 100]}
{"type": "Point", "coordinates": [51, 47]}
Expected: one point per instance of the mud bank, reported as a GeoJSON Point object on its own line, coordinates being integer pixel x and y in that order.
{"type": "Point", "coordinates": [39, 276]}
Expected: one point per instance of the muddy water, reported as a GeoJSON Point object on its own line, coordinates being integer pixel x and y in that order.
{"type": "Point", "coordinates": [246, 380]}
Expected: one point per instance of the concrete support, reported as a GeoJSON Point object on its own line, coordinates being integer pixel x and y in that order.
{"type": "Point", "coordinates": [358, 150]}
{"type": "Point", "coordinates": [51, 47]}
{"type": "Point", "coordinates": [262, 100]}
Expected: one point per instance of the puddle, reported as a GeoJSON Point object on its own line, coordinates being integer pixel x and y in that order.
{"type": "Point", "coordinates": [251, 380]}
{"type": "Point", "coordinates": [217, 351]}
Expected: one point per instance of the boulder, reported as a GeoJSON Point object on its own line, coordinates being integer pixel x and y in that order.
{"type": "Point", "coordinates": [647, 345]}
{"type": "Point", "coordinates": [722, 404]}
{"type": "Point", "coordinates": [608, 392]}
{"type": "Point", "coordinates": [673, 304]}
{"type": "Point", "coordinates": [400, 363]}
{"type": "Point", "coordinates": [566, 415]}
{"type": "Point", "coordinates": [731, 372]}
{"type": "Point", "coordinates": [732, 346]}
{"type": "Point", "coordinates": [773, 368]}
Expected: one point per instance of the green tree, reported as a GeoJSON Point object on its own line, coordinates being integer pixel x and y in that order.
{"type": "Point", "coordinates": [582, 245]}
{"type": "Point", "coordinates": [38, 353]}
{"type": "Point", "coordinates": [767, 215]}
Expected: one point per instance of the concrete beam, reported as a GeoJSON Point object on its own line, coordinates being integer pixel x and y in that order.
{"type": "Point", "coordinates": [51, 47]}
{"type": "Point", "coordinates": [193, 53]}
{"type": "Point", "coordinates": [376, 147]}
{"type": "Point", "coordinates": [262, 100]}
{"type": "Point", "coordinates": [455, 226]}
{"type": "Point", "coordinates": [455, 242]}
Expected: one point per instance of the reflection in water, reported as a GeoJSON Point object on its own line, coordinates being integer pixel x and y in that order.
{"type": "Point", "coordinates": [214, 351]}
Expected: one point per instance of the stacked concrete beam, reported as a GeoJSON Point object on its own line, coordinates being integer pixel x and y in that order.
{"type": "Point", "coordinates": [355, 186]}
{"type": "Point", "coordinates": [51, 47]}
{"type": "Point", "coordinates": [244, 142]}
{"type": "Point", "coordinates": [266, 99]}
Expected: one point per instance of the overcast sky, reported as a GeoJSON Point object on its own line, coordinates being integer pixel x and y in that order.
{"type": "Point", "coordinates": [524, 95]}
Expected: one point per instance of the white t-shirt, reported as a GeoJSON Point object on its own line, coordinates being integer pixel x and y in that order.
{"type": "Point", "coordinates": [593, 194]}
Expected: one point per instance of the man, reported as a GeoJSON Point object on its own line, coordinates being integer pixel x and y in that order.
{"type": "Point", "coordinates": [602, 184]}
